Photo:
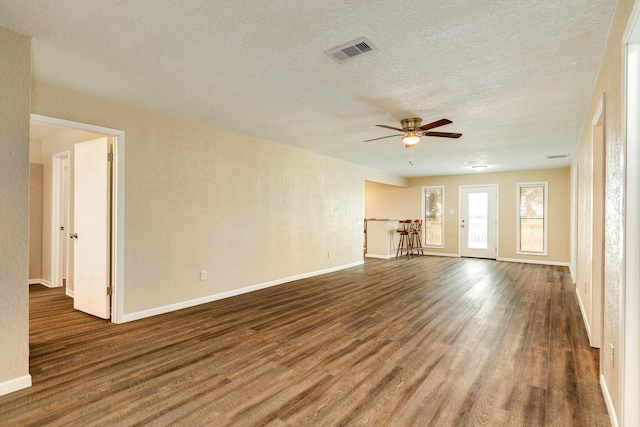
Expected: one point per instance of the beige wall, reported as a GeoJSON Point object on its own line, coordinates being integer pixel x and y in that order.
{"type": "Point", "coordinates": [610, 83]}
{"type": "Point", "coordinates": [35, 221]}
{"type": "Point", "coordinates": [384, 201]}
{"type": "Point", "coordinates": [197, 198]}
{"type": "Point", "coordinates": [15, 67]}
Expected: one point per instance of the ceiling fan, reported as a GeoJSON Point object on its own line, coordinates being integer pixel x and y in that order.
{"type": "Point", "coordinates": [412, 131]}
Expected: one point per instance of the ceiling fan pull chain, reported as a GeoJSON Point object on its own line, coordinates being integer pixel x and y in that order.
{"type": "Point", "coordinates": [411, 151]}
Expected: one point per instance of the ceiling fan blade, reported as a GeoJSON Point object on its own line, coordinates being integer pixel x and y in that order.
{"type": "Point", "coordinates": [382, 137]}
{"type": "Point", "coordinates": [443, 134]}
{"type": "Point", "coordinates": [390, 127]}
{"type": "Point", "coordinates": [435, 124]}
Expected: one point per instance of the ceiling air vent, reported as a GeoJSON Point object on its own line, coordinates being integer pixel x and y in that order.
{"type": "Point", "coordinates": [345, 52]}
{"type": "Point", "coordinates": [557, 156]}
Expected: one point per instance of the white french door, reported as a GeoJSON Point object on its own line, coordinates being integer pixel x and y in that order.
{"type": "Point", "coordinates": [478, 221]}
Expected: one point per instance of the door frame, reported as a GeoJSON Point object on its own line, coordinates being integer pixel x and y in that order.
{"type": "Point", "coordinates": [597, 226]}
{"type": "Point", "coordinates": [630, 261]}
{"type": "Point", "coordinates": [117, 207]}
{"type": "Point", "coordinates": [57, 217]}
{"type": "Point", "coordinates": [460, 242]}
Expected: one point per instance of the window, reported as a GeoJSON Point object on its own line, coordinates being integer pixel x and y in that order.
{"type": "Point", "coordinates": [433, 203]}
{"type": "Point", "coordinates": [532, 218]}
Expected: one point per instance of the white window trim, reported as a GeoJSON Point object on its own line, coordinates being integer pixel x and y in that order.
{"type": "Point", "coordinates": [545, 222]}
{"type": "Point", "coordinates": [424, 228]}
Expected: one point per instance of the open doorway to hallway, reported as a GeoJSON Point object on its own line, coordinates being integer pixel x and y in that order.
{"type": "Point", "coordinates": [54, 214]}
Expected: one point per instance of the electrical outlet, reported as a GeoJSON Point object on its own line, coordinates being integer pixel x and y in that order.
{"type": "Point", "coordinates": [203, 274]}
{"type": "Point", "coordinates": [328, 254]}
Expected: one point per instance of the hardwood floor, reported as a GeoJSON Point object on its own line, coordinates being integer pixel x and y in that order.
{"type": "Point", "coordinates": [422, 342]}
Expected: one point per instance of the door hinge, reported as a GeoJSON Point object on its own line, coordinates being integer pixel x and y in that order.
{"type": "Point", "coordinates": [109, 290]}
{"type": "Point", "coordinates": [109, 157]}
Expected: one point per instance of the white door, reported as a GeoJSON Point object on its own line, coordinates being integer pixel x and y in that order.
{"type": "Point", "coordinates": [91, 227]}
{"type": "Point", "coordinates": [65, 219]}
{"type": "Point", "coordinates": [60, 218]}
{"type": "Point", "coordinates": [478, 221]}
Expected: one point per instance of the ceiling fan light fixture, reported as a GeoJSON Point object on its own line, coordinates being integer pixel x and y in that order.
{"type": "Point", "coordinates": [479, 167]}
{"type": "Point", "coordinates": [411, 138]}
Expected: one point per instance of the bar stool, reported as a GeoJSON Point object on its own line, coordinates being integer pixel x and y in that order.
{"type": "Point", "coordinates": [414, 237]}
{"type": "Point", "coordinates": [404, 245]}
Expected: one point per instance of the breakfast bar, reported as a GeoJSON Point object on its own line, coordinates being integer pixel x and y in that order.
{"type": "Point", "coordinates": [379, 237]}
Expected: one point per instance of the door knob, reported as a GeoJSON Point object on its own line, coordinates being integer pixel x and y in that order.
{"type": "Point", "coordinates": [73, 236]}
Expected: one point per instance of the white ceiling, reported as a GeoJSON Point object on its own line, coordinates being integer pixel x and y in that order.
{"type": "Point", "coordinates": [514, 76]}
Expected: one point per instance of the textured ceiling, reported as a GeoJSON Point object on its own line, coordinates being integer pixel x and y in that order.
{"type": "Point", "coordinates": [514, 76]}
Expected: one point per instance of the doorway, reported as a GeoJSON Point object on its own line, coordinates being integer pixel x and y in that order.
{"type": "Point", "coordinates": [115, 213]}
{"type": "Point", "coordinates": [478, 221]}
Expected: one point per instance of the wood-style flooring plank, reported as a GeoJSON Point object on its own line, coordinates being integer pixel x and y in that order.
{"type": "Point", "coordinates": [425, 341]}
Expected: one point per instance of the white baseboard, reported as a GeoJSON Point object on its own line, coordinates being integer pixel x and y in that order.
{"type": "Point", "coordinates": [532, 261]}
{"type": "Point", "coordinates": [440, 254]}
{"type": "Point", "coordinates": [380, 256]}
{"type": "Point", "coordinates": [585, 319]}
{"type": "Point", "coordinates": [40, 282]}
{"type": "Point", "coordinates": [525, 261]}
{"type": "Point", "coordinates": [15, 384]}
{"type": "Point", "coordinates": [423, 253]}
{"type": "Point", "coordinates": [69, 292]}
{"type": "Point", "coordinates": [47, 283]}
{"type": "Point", "coordinates": [185, 304]}
{"type": "Point", "coordinates": [573, 276]}
{"type": "Point", "coordinates": [607, 400]}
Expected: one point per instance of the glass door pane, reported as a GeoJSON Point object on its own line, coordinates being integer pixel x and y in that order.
{"type": "Point", "coordinates": [478, 220]}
